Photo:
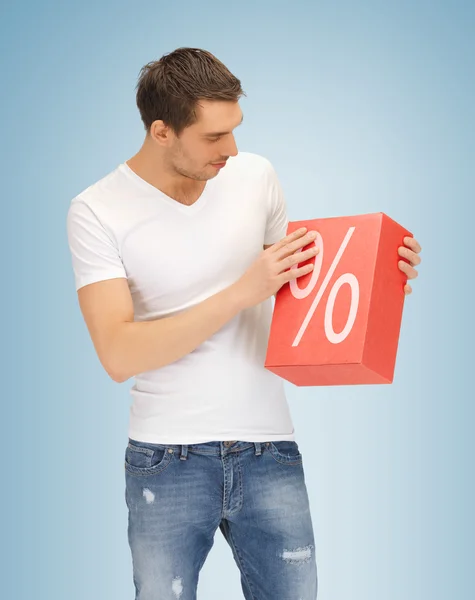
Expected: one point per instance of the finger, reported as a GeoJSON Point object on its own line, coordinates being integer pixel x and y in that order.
{"type": "Point", "coordinates": [412, 243]}
{"type": "Point", "coordinates": [295, 273]}
{"type": "Point", "coordinates": [407, 289]}
{"type": "Point", "coordinates": [288, 262]}
{"type": "Point", "coordinates": [408, 270]}
{"type": "Point", "coordinates": [410, 255]}
{"type": "Point", "coordinates": [288, 238]}
{"type": "Point", "coordinates": [293, 246]}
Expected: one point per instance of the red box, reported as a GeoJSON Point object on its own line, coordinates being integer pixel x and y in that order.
{"type": "Point", "coordinates": [340, 324]}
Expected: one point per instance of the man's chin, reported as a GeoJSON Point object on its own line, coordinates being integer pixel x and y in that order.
{"type": "Point", "coordinates": [211, 173]}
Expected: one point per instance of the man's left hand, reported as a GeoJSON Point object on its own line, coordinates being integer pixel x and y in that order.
{"type": "Point", "coordinates": [411, 252]}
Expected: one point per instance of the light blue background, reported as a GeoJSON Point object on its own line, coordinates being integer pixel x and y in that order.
{"type": "Point", "coordinates": [361, 107]}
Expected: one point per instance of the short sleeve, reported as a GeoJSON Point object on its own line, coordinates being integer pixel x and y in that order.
{"type": "Point", "coordinates": [277, 220]}
{"type": "Point", "coordinates": [95, 257]}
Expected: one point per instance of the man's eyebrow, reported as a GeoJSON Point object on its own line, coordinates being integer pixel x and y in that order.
{"type": "Point", "coordinates": [221, 132]}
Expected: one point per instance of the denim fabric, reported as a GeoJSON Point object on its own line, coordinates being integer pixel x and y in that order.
{"type": "Point", "coordinates": [255, 493]}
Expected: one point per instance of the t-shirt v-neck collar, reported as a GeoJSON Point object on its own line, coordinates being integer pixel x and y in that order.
{"type": "Point", "coordinates": [184, 208]}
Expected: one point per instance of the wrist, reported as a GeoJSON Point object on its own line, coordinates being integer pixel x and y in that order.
{"type": "Point", "coordinates": [238, 297]}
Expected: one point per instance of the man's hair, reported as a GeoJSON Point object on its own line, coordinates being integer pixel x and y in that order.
{"type": "Point", "coordinates": [170, 88]}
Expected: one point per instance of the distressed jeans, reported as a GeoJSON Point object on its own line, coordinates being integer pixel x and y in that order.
{"type": "Point", "coordinates": [177, 497]}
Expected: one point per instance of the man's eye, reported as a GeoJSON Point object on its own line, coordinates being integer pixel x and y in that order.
{"type": "Point", "coordinates": [215, 139]}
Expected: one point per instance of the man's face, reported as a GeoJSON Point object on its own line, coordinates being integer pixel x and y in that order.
{"type": "Point", "coordinates": [209, 140]}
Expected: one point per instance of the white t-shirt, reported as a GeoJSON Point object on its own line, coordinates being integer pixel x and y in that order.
{"type": "Point", "coordinates": [175, 256]}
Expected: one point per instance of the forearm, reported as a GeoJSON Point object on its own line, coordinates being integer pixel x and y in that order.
{"type": "Point", "coordinates": [141, 346]}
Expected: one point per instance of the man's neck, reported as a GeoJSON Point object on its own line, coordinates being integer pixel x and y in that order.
{"type": "Point", "coordinates": [182, 189]}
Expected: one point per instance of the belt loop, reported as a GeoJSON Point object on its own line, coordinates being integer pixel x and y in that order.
{"type": "Point", "coordinates": [184, 452]}
{"type": "Point", "coordinates": [257, 445]}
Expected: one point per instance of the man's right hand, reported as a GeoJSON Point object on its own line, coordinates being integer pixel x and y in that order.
{"type": "Point", "coordinates": [272, 268]}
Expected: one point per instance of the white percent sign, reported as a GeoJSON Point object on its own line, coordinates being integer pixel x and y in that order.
{"type": "Point", "coordinates": [349, 278]}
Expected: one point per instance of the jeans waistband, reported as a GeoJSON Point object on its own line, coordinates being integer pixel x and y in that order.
{"type": "Point", "coordinates": [211, 448]}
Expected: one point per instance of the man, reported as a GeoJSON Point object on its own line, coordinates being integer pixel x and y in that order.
{"type": "Point", "coordinates": [177, 253]}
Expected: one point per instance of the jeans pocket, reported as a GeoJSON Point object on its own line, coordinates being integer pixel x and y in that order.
{"type": "Point", "coordinates": [146, 459]}
{"type": "Point", "coordinates": [286, 452]}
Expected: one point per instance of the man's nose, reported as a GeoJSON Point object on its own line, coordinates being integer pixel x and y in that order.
{"type": "Point", "coordinates": [231, 147]}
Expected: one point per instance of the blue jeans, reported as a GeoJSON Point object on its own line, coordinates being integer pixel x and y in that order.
{"type": "Point", "coordinates": [177, 497]}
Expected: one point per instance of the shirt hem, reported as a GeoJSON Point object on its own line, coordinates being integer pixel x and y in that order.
{"type": "Point", "coordinates": [187, 440]}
